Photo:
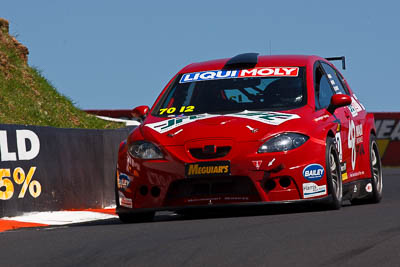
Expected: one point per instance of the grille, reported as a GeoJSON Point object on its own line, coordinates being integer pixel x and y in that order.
{"type": "Point", "coordinates": [215, 186]}
{"type": "Point", "coordinates": [221, 151]}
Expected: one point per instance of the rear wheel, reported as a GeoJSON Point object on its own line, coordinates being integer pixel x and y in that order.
{"type": "Point", "coordinates": [333, 175]}
{"type": "Point", "coordinates": [376, 168]}
{"type": "Point", "coordinates": [376, 172]}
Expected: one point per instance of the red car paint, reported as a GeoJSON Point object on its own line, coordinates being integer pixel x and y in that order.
{"type": "Point", "coordinates": [160, 184]}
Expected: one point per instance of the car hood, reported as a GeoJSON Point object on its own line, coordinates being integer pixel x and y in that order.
{"type": "Point", "coordinates": [238, 127]}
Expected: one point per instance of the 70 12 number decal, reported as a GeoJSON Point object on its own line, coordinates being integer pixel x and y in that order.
{"type": "Point", "coordinates": [172, 110]}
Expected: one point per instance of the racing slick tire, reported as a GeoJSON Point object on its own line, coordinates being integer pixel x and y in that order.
{"type": "Point", "coordinates": [333, 175]}
{"type": "Point", "coordinates": [376, 179]}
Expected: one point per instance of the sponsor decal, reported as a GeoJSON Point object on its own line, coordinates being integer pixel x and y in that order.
{"type": "Point", "coordinates": [28, 148]}
{"type": "Point", "coordinates": [352, 110]}
{"type": "Point", "coordinates": [190, 200]}
{"type": "Point", "coordinates": [359, 134]}
{"type": "Point", "coordinates": [166, 125]}
{"type": "Point", "coordinates": [124, 201]}
{"type": "Point", "coordinates": [355, 189]}
{"type": "Point", "coordinates": [172, 110]}
{"type": "Point", "coordinates": [335, 87]}
{"type": "Point", "coordinates": [351, 143]}
{"type": "Point", "coordinates": [210, 200]}
{"type": "Point", "coordinates": [257, 163]}
{"type": "Point", "coordinates": [132, 164]}
{"type": "Point", "coordinates": [211, 168]}
{"type": "Point", "coordinates": [273, 118]}
{"type": "Point", "coordinates": [123, 181]}
{"type": "Point", "coordinates": [313, 172]}
{"type": "Point", "coordinates": [323, 117]}
{"type": "Point", "coordinates": [368, 188]}
{"type": "Point", "coordinates": [354, 174]}
{"type": "Point", "coordinates": [360, 149]}
{"type": "Point", "coordinates": [338, 127]}
{"type": "Point", "coordinates": [230, 74]}
{"type": "Point", "coordinates": [362, 106]}
{"type": "Point", "coordinates": [355, 142]}
{"type": "Point", "coordinates": [343, 169]}
{"type": "Point", "coordinates": [313, 190]}
{"type": "Point", "coordinates": [355, 107]}
{"type": "Point", "coordinates": [236, 198]}
{"type": "Point", "coordinates": [338, 139]}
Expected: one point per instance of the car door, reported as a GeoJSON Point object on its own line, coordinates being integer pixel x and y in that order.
{"type": "Point", "coordinates": [324, 89]}
{"type": "Point", "coordinates": [355, 116]}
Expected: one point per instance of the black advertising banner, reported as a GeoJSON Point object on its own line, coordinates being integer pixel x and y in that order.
{"type": "Point", "coordinates": [45, 168]}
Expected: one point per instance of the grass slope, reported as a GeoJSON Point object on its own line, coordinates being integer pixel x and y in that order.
{"type": "Point", "coordinates": [26, 97]}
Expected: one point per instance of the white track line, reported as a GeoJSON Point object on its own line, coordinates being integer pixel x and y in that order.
{"type": "Point", "coordinates": [61, 217]}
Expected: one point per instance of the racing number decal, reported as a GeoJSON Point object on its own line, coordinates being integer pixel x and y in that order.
{"type": "Point", "coordinates": [173, 109]}
{"type": "Point", "coordinates": [168, 110]}
{"type": "Point", "coordinates": [339, 145]}
{"type": "Point", "coordinates": [352, 143]}
{"type": "Point", "coordinates": [187, 109]}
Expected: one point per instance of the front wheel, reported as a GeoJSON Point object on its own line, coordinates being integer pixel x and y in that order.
{"type": "Point", "coordinates": [333, 175]}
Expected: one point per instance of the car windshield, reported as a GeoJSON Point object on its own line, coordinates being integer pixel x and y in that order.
{"type": "Point", "coordinates": [216, 93]}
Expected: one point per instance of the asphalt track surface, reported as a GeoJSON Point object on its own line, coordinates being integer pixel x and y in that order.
{"type": "Point", "coordinates": [363, 235]}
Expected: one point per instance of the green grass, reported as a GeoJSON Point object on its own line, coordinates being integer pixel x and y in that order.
{"type": "Point", "coordinates": [26, 97]}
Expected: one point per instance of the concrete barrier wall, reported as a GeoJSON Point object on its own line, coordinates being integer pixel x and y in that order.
{"type": "Point", "coordinates": [44, 168]}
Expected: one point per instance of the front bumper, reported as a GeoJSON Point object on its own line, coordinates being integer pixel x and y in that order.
{"type": "Point", "coordinates": [255, 178]}
{"type": "Point", "coordinates": [241, 206]}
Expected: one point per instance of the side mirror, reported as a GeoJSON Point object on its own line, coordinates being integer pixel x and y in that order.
{"type": "Point", "coordinates": [140, 112]}
{"type": "Point", "coordinates": [337, 101]}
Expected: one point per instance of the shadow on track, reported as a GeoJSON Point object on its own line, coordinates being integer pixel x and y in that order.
{"type": "Point", "coordinates": [217, 212]}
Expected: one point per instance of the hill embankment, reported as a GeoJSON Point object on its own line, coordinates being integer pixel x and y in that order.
{"type": "Point", "coordinates": [26, 97]}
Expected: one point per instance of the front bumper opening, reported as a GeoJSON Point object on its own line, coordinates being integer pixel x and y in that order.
{"type": "Point", "coordinates": [211, 190]}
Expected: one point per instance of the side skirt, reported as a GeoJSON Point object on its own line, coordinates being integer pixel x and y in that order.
{"type": "Point", "coordinates": [356, 189]}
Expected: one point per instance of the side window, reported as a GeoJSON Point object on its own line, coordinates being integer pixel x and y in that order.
{"type": "Point", "coordinates": [334, 79]}
{"type": "Point", "coordinates": [323, 90]}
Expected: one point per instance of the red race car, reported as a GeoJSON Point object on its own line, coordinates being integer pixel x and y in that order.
{"type": "Point", "coordinates": [248, 130]}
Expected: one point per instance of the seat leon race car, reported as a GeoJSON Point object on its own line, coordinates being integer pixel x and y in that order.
{"type": "Point", "coordinates": [249, 130]}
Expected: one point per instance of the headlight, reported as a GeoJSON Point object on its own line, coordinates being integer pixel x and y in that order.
{"type": "Point", "coordinates": [283, 142]}
{"type": "Point", "coordinates": [145, 150]}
